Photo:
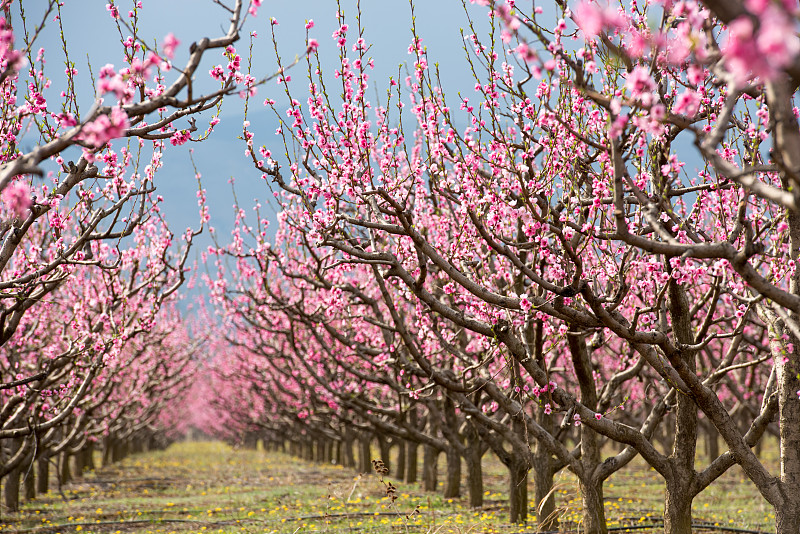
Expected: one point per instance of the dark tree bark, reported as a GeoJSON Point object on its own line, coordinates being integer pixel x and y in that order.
{"type": "Point", "coordinates": [679, 490]}
{"type": "Point", "coordinates": [65, 474]}
{"type": "Point", "coordinates": [77, 464]}
{"type": "Point", "coordinates": [42, 475]}
{"type": "Point", "coordinates": [430, 469]}
{"type": "Point", "coordinates": [348, 456]}
{"type": "Point", "coordinates": [474, 468]}
{"type": "Point", "coordinates": [594, 518]}
{"type": "Point", "coordinates": [319, 450]}
{"type": "Point", "coordinates": [712, 441]}
{"type": "Point", "coordinates": [88, 458]}
{"type": "Point", "coordinates": [412, 449]}
{"type": "Point", "coordinates": [401, 459]}
{"type": "Point", "coordinates": [518, 488]}
{"type": "Point", "coordinates": [11, 489]}
{"type": "Point", "coordinates": [385, 445]}
{"type": "Point", "coordinates": [365, 454]}
{"type": "Point", "coordinates": [29, 474]}
{"type": "Point", "coordinates": [108, 447]}
{"type": "Point", "coordinates": [452, 484]}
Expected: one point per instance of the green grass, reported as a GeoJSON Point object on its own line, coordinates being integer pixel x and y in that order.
{"type": "Point", "coordinates": [210, 487]}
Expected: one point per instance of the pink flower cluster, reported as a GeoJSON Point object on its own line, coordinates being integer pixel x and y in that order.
{"type": "Point", "coordinates": [105, 128]}
{"type": "Point", "coordinates": [180, 137]}
{"type": "Point", "coordinates": [169, 45]}
{"type": "Point", "coordinates": [17, 198]}
{"type": "Point", "coordinates": [764, 51]}
{"type": "Point", "coordinates": [254, 5]}
{"type": "Point", "coordinates": [593, 18]}
{"type": "Point", "coordinates": [13, 59]}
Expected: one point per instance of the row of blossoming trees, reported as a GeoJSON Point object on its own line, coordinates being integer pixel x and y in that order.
{"type": "Point", "coordinates": [600, 246]}
{"type": "Point", "coordinates": [93, 348]}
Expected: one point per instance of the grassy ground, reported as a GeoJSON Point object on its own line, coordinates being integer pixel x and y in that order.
{"type": "Point", "coordinates": [209, 487]}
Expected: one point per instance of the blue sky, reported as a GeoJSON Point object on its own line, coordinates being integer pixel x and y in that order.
{"type": "Point", "coordinates": [92, 36]}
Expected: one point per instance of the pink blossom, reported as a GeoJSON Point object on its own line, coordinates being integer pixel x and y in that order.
{"type": "Point", "coordinates": [105, 128]}
{"type": "Point", "coordinates": [593, 19]}
{"type": "Point", "coordinates": [639, 82]}
{"type": "Point", "coordinates": [309, 24]}
{"type": "Point", "coordinates": [67, 120]}
{"type": "Point", "coordinates": [526, 53]}
{"type": "Point", "coordinates": [617, 126]}
{"type": "Point", "coordinates": [757, 7]}
{"type": "Point", "coordinates": [254, 5]}
{"type": "Point", "coordinates": [763, 53]}
{"type": "Point", "coordinates": [112, 9]}
{"type": "Point", "coordinates": [114, 85]}
{"type": "Point", "coordinates": [17, 198]}
{"type": "Point", "coordinates": [217, 72]}
{"type": "Point", "coordinates": [687, 103]}
{"type": "Point", "coordinates": [180, 137]}
{"type": "Point", "coordinates": [169, 45]}
{"type": "Point", "coordinates": [313, 44]}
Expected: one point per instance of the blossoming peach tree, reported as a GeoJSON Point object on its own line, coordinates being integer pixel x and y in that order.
{"type": "Point", "coordinates": [624, 177]}
{"type": "Point", "coordinates": [88, 266]}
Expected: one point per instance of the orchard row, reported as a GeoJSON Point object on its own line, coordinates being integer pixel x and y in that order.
{"type": "Point", "coordinates": [599, 245]}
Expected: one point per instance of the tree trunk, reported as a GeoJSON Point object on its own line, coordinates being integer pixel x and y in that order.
{"type": "Point", "coordinates": [108, 447]}
{"type": "Point", "coordinates": [42, 475]}
{"type": "Point", "coordinates": [430, 471]}
{"type": "Point", "coordinates": [116, 451]}
{"type": "Point", "coordinates": [785, 359]}
{"type": "Point", "coordinates": [518, 489]}
{"type": "Point", "coordinates": [331, 453]}
{"type": "Point", "coordinates": [678, 497]}
{"type": "Point", "coordinates": [452, 484]}
{"type": "Point", "coordinates": [88, 456]}
{"type": "Point", "coordinates": [411, 462]}
{"type": "Point", "coordinates": [338, 452]}
{"type": "Point", "coordinates": [11, 490]}
{"type": "Point", "coordinates": [66, 474]}
{"type": "Point", "coordinates": [365, 455]}
{"type": "Point", "coordinates": [385, 447]}
{"type": "Point", "coordinates": [677, 508]}
{"type": "Point", "coordinates": [543, 496]}
{"type": "Point", "coordinates": [319, 453]}
{"type": "Point", "coordinates": [348, 456]}
{"type": "Point", "coordinates": [787, 518]}
{"type": "Point", "coordinates": [712, 440]}
{"type": "Point", "coordinates": [124, 449]}
{"type": "Point", "coordinates": [12, 479]}
{"type": "Point", "coordinates": [401, 460]}
{"type": "Point", "coordinates": [77, 463]}
{"type": "Point", "coordinates": [30, 481]}
{"type": "Point", "coordinates": [594, 515]}
{"type": "Point", "coordinates": [474, 469]}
